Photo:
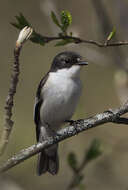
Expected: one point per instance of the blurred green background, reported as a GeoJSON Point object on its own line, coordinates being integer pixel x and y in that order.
{"type": "Point", "coordinates": [104, 81]}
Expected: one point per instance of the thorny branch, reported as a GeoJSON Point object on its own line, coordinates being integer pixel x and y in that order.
{"type": "Point", "coordinates": [8, 123]}
{"type": "Point", "coordinates": [77, 127]}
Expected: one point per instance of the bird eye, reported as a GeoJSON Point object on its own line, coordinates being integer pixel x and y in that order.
{"type": "Point", "coordinates": [67, 60]}
{"type": "Point", "coordinates": [78, 59]}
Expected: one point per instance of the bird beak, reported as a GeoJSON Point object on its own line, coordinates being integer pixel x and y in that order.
{"type": "Point", "coordinates": [82, 63]}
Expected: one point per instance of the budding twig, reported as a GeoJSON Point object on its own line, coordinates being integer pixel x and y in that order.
{"type": "Point", "coordinates": [8, 123]}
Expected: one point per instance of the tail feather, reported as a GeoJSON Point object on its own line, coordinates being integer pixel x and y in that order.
{"type": "Point", "coordinates": [48, 163]}
{"type": "Point", "coordinates": [53, 164]}
{"type": "Point", "coordinates": [42, 164]}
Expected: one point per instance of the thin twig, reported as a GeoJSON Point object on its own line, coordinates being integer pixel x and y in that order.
{"type": "Point", "coordinates": [8, 123]}
{"type": "Point", "coordinates": [78, 40]}
{"type": "Point", "coordinates": [80, 125]}
{"type": "Point", "coordinates": [77, 174]}
{"type": "Point", "coordinates": [105, 22]}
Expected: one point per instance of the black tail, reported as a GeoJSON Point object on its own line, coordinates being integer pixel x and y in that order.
{"type": "Point", "coordinates": [48, 162]}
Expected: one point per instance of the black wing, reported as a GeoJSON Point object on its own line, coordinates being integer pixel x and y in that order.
{"type": "Point", "coordinates": [38, 103]}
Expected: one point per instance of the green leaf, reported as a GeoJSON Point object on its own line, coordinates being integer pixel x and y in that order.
{"type": "Point", "coordinates": [66, 20]}
{"type": "Point", "coordinates": [64, 42]}
{"type": "Point", "coordinates": [21, 22]}
{"type": "Point", "coordinates": [94, 150]}
{"type": "Point", "coordinates": [37, 38]}
{"type": "Point", "coordinates": [15, 25]}
{"type": "Point", "coordinates": [112, 34]}
{"type": "Point", "coordinates": [54, 18]}
{"type": "Point", "coordinates": [71, 33]}
{"type": "Point", "coordinates": [81, 186]}
{"type": "Point", "coordinates": [72, 161]}
{"type": "Point", "coordinates": [77, 180]}
{"type": "Point", "coordinates": [24, 20]}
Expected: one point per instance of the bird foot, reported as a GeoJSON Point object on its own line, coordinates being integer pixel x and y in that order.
{"type": "Point", "coordinates": [73, 123]}
{"type": "Point", "coordinates": [109, 111]}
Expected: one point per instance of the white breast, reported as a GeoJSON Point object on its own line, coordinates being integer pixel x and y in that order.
{"type": "Point", "coordinates": [60, 95]}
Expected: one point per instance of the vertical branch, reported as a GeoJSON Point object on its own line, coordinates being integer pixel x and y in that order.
{"type": "Point", "coordinates": [8, 123]}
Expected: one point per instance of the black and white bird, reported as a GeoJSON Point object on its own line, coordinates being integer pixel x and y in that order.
{"type": "Point", "coordinates": [56, 100]}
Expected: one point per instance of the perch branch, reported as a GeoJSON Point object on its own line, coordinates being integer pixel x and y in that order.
{"type": "Point", "coordinates": [76, 127]}
{"type": "Point", "coordinates": [8, 123]}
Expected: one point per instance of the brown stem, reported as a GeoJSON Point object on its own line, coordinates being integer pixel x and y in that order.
{"type": "Point", "coordinates": [8, 123]}
{"type": "Point", "coordinates": [24, 34]}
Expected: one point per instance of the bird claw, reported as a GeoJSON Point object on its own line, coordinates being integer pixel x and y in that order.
{"type": "Point", "coordinates": [73, 123]}
{"type": "Point", "coordinates": [109, 111]}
